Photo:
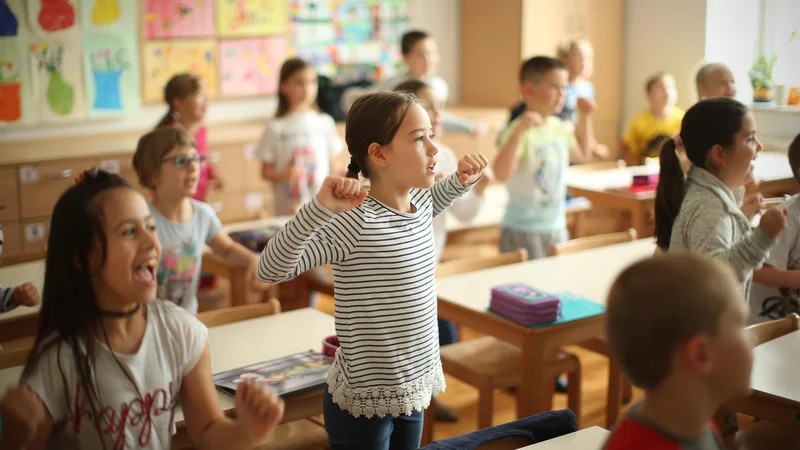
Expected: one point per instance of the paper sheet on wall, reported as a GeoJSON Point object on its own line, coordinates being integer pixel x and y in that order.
{"type": "Point", "coordinates": [16, 96]}
{"type": "Point", "coordinates": [251, 66]}
{"type": "Point", "coordinates": [51, 19]}
{"type": "Point", "coordinates": [118, 16]}
{"type": "Point", "coordinates": [238, 18]}
{"type": "Point", "coordinates": [163, 59]}
{"type": "Point", "coordinates": [111, 73]}
{"type": "Point", "coordinates": [56, 80]}
{"type": "Point", "coordinates": [12, 19]}
{"type": "Point", "coordinates": [178, 18]}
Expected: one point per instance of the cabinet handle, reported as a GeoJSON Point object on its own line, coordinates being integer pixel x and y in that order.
{"type": "Point", "coordinates": [215, 157]}
{"type": "Point", "coordinates": [66, 173]}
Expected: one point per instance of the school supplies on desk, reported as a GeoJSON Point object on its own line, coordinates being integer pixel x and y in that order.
{"type": "Point", "coordinates": [524, 304]}
{"type": "Point", "coordinates": [255, 239]}
{"type": "Point", "coordinates": [573, 307]}
{"type": "Point", "coordinates": [288, 375]}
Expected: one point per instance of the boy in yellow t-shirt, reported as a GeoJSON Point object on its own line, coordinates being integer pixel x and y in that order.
{"type": "Point", "coordinates": [647, 132]}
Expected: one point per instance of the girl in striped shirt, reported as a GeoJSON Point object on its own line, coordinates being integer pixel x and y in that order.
{"type": "Point", "coordinates": [382, 251]}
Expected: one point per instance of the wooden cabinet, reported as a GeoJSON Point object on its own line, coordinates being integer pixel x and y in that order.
{"type": "Point", "coordinates": [9, 194]}
{"type": "Point", "coordinates": [34, 234]}
{"type": "Point", "coordinates": [42, 184]}
{"type": "Point", "coordinates": [12, 239]}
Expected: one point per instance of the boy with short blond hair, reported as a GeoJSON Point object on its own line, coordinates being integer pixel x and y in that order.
{"type": "Point", "coordinates": [684, 343]}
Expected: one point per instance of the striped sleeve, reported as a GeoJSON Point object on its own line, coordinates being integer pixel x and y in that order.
{"type": "Point", "coordinates": [446, 190]}
{"type": "Point", "coordinates": [7, 301]}
{"type": "Point", "coordinates": [314, 237]}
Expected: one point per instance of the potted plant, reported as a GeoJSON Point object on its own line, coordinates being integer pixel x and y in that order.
{"type": "Point", "coordinates": [761, 78]}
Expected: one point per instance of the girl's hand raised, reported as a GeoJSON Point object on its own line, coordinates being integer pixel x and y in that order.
{"type": "Point", "coordinates": [339, 194]}
{"type": "Point", "coordinates": [774, 222]}
{"type": "Point", "coordinates": [258, 409]}
{"type": "Point", "coordinates": [471, 167]}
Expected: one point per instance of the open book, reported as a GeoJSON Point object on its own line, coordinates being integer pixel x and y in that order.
{"type": "Point", "coordinates": [288, 375]}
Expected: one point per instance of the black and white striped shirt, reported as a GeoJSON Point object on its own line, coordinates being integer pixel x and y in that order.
{"type": "Point", "coordinates": [383, 264]}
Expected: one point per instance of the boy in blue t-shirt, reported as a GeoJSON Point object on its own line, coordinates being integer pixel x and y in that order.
{"type": "Point", "coordinates": [535, 151]}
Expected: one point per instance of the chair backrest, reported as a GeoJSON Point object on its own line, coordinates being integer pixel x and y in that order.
{"type": "Point", "coordinates": [597, 166]}
{"type": "Point", "coordinates": [463, 265]}
{"type": "Point", "coordinates": [13, 358]}
{"type": "Point", "coordinates": [590, 242]}
{"type": "Point", "coordinates": [232, 314]}
{"type": "Point", "coordinates": [767, 331]}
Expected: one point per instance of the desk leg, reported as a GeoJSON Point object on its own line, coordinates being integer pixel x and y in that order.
{"type": "Point", "coordinates": [239, 289]}
{"type": "Point", "coordinates": [614, 392]}
{"type": "Point", "coordinates": [639, 221]}
{"type": "Point", "coordinates": [530, 392]}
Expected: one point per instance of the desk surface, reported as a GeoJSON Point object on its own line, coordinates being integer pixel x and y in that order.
{"type": "Point", "coordinates": [588, 273]}
{"type": "Point", "coordinates": [776, 366]}
{"type": "Point", "coordinates": [587, 439]}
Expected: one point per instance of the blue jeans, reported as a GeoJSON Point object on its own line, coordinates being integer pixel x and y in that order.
{"type": "Point", "coordinates": [375, 433]}
{"type": "Point", "coordinates": [448, 333]}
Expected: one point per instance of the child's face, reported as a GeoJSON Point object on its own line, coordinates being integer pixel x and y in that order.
{"type": "Point", "coordinates": [423, 60]}
{"type": "Point", "coordinates": [132, 250]}
{"type": "Point", "coordinates": [410, 159]}
{"type": "Point", "coordinates": [434, 108]}
{"type": "Point", "coordinates": [179, 173]}
{"type": "Point", "coordinates": [547, 93]}
{"type": "Point", "coordinates": [301, 88]}
{"type": "Point", "coordinates": [719, 83]}
{"type": "Point", "coordinates": [579, 60]}
{"type": "Point", "coordinates": [192, 107]}
{"type": "Point", "coordinates": [663, 93]}
{"type": "Point", "coordinates": [734, 165]}
{"type": "Point", "coordinates": [731, 354]}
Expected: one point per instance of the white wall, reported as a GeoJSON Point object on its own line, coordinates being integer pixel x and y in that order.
{"type": "Point", "coordinates": [441, 18]}
{"type": "Point", "coordinates": [661, 35]}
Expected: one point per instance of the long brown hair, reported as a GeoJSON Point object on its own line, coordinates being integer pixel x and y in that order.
{"type": "Point", "coordinates": [179, 86]}
{"type": "Point", "coordinates": [374, 119]}
{"type": "Point", "coordinates": [706, 124]}
{"type": "Point", "coordinates": [289, 68]}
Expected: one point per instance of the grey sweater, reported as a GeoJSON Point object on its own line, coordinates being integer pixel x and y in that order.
{"type": "Point", "coordinates": [711, 222]}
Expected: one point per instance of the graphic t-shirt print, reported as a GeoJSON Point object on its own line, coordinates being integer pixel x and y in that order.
{"type": "Point", "coordinates": [546, 176]}
{"type": "Point", "coordinates": [304, 168]}
{"type": "Point", "coordinates": [180, 266]}
{"type": "Point", "coordinates": [137, 415]}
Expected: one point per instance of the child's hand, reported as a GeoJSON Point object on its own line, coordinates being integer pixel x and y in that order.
{"type": "Point", "coordinates": [22, 411]}
{"type": "Point", "coordinates": [471, 167]}
{"type": "Point", "coordinates": [26, 295]}
{"type": "Point", "coordinates": [258, 409]}
{"type": "Point", "coordinates": [341, 194]}
{"type": "Point", "coordinates": [586, 105]}
{"type": "Point", "coordinates": [530, 119]}
{"type": "Point", "coordinates": [752, 205]}
{"type": "Point", "coordinates": [774, 222]}
{"type": "Point", "coordinates": [601, 151]}
{"type": "Point", "coordinates": [252, 277]}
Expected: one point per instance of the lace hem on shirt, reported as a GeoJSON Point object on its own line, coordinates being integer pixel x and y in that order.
{"type": "Point", "coordinates": [380, 401]}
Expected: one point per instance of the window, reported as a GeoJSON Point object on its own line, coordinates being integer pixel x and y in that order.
{"type": "Point", "coordinates": [780, 20]}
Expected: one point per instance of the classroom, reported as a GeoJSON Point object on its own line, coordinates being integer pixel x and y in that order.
{"type": "Point", "coordinates": [399, 224]}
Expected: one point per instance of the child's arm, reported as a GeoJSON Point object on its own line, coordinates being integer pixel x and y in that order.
{"type": "Point", "coordinates": [24, 418]}
{"type": "Point", "coordinates": [237, 255]}
{"type": "Point", "coordinates": [266, 152]}
{"type": "Point", "coordinates": [313, 238]}
{"type": "Point", "coordinates": [581, 150]}
{"type": "Point", "coordinates": [446, 190]}
{"type": "Point", "coordinates": [505, 163]}
{"type": "Point", "coordinates": [778, 278]}
{"type": "Point", "coordinates": [258, 411]}
{"type": "Point", "coordinates": [270, 173]}
{"type": "Point", "coordinates": [25, 294]}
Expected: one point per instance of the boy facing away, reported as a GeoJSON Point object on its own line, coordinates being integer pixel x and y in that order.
{"type": "Point", "coordinates": [535, 151]}
{"type": "Point", "coordinates": [684, 343]}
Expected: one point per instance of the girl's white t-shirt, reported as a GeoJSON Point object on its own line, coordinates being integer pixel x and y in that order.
{"type": "Point", "coordinates": [173, 342]}
{"type": "Point", "coordinates": [306, 142]}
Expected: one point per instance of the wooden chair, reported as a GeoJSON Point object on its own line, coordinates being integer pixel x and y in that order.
{"type": "Point", "coordinates": [598, 166]}
{"type": "Point", "coordinates": [232, 314]}
{"type": "Point", "coordinates": [14, 357]}
{"type": "Point", "coordinates": [19, 327]}
{"type": "Point", "coordinates": [489, 364]}
{"type": "Point", "coordinates": [590, 242]}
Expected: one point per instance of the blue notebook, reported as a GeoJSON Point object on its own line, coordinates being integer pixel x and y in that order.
{"type": "Point", "coordinates": [573, 307]}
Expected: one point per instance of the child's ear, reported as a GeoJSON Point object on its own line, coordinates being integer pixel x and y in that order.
{"type": "Point", "coordinates": [717, 156]}
{"type": "Point", "coordinates": [697, 354]}
{"type": "Point", "coordinates": [526, 88]}
{"type": "Point", "coordinates": [377, 154]}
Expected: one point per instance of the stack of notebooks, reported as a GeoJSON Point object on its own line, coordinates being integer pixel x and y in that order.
{"type": "Point", "coordinates": [525, 305]}
{"type": "Point", "coordinates": [285, 376]}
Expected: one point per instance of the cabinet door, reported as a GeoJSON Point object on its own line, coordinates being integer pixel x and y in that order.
{"type": "Point", "coordinates": [9, 194]}
{"type": "Point", "coordinates": [229, 164]}
{"type": "Point", "coordinates": [12, 239]}
{"type": "Point", "coordinates": [34, 234]}
{"type": "Point", "coordinates": [42, 184]}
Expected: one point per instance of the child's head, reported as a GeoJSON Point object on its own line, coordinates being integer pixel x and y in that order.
{"type": "Point", "coordinates": [715, 80]}
{"type": "Point", "coordinates": [388, 135]}
{"type": "Point", "coordinates": [420, 54]}
{"type": "Point", "coordinates": [794, 157]}
{"type": "Point", "coordinates": [543, 80]}
{"type": "Point", "coordinates": [167, 163]}
{"type": "Point", "coordinates": [578, 56]}
{"type": "Point", "coordinates": [186, 98]}
{"type": "Point", "coordinates": [689, 334]}
{"type": "Point", "coordinates": [424, 91]}
{"type": "Point", "coordinates": [661, 91]}
{"type": "Point", "coordinates": [718, 135]}
{"type": "Point", "coordinates": [297, 88]}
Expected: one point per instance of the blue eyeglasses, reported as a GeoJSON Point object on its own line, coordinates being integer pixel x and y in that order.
{"type": "Point", "coordinates": [185, 160]}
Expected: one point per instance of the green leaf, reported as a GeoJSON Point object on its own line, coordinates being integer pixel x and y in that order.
{"type": "Point", "coordinates": [793, 35]}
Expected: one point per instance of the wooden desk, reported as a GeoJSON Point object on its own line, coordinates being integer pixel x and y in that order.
{"type": "Point", "coordinates": [603, 187]}
{"type": "Point", "coordinates": [776, 393]}
{"type": "Point", "coordinates": [587, 439]}
{"type": "Point", "coordinates": [249, 342]}
{"type": "Point", "coordinates": [464, 299]}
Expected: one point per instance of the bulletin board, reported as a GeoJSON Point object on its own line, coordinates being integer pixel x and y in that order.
{"type": "Point", "coordinates": [73, 60]}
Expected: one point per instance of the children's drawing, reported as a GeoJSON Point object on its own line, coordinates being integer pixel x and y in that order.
{"type": "Point", "coordinates": [9, 25]}
{"type": "Point", "coordinates": [52, 15]}
{"type": "Point", "coordinates": [178, 18]}
{"type": "Point", "coordinates": [57, 81]}
{"type": "Point", "coordinates": [15, 94]}
{"type": "Point", "coordinates": [238, 18]}
{"type": "Point", "coordinates": [105, 12]}
{"type": "Point", "coordinates": [106, 16]}
{"type": "Point", "coordinates": [163, 59]}
{"type": "Point", "coordinates": [251, 66]}
{"type": "Point", "coordinates": [111, 75]}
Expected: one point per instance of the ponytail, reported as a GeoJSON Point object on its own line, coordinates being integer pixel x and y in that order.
{"type": "Point", "coordinates": [167, 119]}
{"type": "Point", "coordinates": [669, 194]}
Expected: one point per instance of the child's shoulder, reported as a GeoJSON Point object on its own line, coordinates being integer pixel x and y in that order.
{"type": "Point", "coordinates": [203, 210]}
{"type": "Point", "coordinates": [173, 320]}
{"type": "Point", "coordinates": [633, 435]}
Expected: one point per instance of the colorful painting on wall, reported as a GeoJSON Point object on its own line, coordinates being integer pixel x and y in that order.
{"type": "Point", "coordinates": [111, 74]}
{"type": "Point", "coordinates": [53, 18]}
{"type": "Point", "coordinates": [239, 18]}
{"type": "Point", "coordinates": [250, 67]}
{"type": "Point", "coordinates": [178, 18]}
{"type": "Point", "coordinates": [163, 59]}
{"type": "Point", "coordinates": [56, 80]}
{"type": "Point", "coordinates": [109, 15]}
{"type": "Point", "coordinates": [16, 103]}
